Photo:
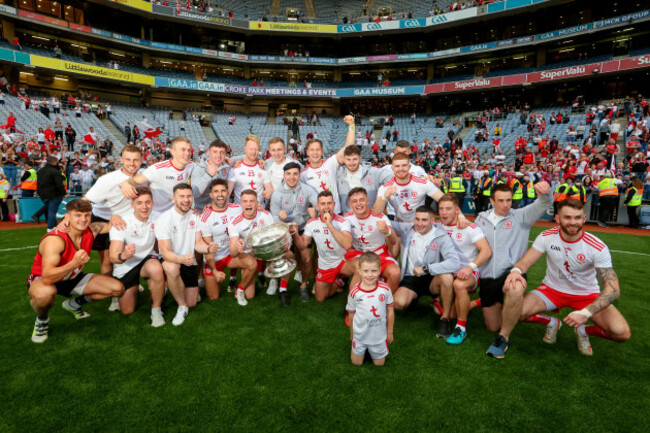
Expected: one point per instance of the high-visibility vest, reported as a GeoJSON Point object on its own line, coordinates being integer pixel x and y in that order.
{"type": "Point", "coordinates": [485, 182]}
{"type": "Point", "coordinates": [456, 184]}
{"type": "Point", "coordinates": [636, 198]}
{"type": "Point", "coordinates": [518, 194]}
{"type": "Point", "coordinates": [559, 196]}
{"type": "Point", "coordinates": [443, 186]}
{"type": "Point", "coordinates": [607, 187]}
{"type": "Point", "coordinates": [530, 190]}
{"type": "Point", "coordinates": [65, 181]}
{"type": "Point", "coordinates": [30, 183]}
{"type": "Point", "coordinates": [578, 193]}
{"type": "Point", "coordinates": [3, 192]}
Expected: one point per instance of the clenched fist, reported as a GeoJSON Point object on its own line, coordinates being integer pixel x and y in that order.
{"type": "Point", "coordinates": [390, 191]}
{"type": "Point", "coordinates": [383, 227]}
{"type": "Point", "coordinates": [81, 257]}
{"type": "Point", "coordinates": [542, 188]}
{"type": "Point", "coordinates": [187, 260]}
{"type": "Point", "coordinates": [129, 251]}
{"type": "Point", "coordinates": [349, 119]}
{"type": "Point", "coordinates": [282, 215]}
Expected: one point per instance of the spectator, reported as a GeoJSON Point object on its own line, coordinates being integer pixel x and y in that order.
{"type": "Point", "coordinates": [51, 190]}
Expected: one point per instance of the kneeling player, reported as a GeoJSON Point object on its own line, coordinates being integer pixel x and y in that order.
{"type": "Point", "coordinates": [132, 252]}
{"type": "Point", "coordinates": [58, 265]}
{"type": "Point", "coordinates": [371, 232]}
{"type": "Point", "coordinates": [574, 259]}
{"type": "Point", "coordinates": [370, 312]}
{"type": "Point", "coordinates": [214, 229]}
{"type": "Point", "coordinates": [473, 251]}
{"type": "Point", "coordinates": [429, 260]}
{"type": "Point", "coordinates": [332, 236]}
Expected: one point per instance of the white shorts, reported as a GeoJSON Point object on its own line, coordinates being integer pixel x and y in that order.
{"type": "Point", "coordinates": [377, 351]}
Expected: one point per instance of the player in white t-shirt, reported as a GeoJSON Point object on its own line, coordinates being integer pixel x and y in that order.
{"type": "Point", "coordinates": [473, 251]}
{"type": "Point", "coordinates": [275, 164]}
{"type": "Point", "coordinates": [332, 236]}
{"type": "Point", "coordinates": [110, 205]}
{"type": "Point", "coordinates": [371, 232]}
{"type": "Point", "coordinates": [370, 313]}
{"type": "Point", "coordinates": [133, 254]}
{"type": "Point", "coordinates": [214, 224]}
{"type": "Point", "coordinates": [574, 260]}
{"type": "Point", "coordinates": [321, 174]}
{"type": "Point", "coordinates": [177, 231]}
{"type": "Point", "coordinates": [247, 174]}
{"type": "Point", "coordinates": [250, 220]}
{"type": "Point", "coordinates": [164, 176]}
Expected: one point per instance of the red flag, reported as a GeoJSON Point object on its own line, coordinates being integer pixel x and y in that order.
{"type": "Point", "coordinates": [89, 139]}
{"type": "Point", "coordinates": [6, 126]}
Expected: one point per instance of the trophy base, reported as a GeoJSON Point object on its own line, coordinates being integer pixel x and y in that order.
{"type": "Point", "coordinates": [279, 268]}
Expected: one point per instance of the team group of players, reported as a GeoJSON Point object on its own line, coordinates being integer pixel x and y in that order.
{"type": "Point", "coordinates": [173, 224]}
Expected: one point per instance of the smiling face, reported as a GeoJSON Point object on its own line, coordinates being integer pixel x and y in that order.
{"type": "Point", "coordinates": [219, 196]}
{"type": "Point", "coordinates": [217, 155]}
{"type": "Point", "coordinates": [359, 204]}
{"type": "Point", "coordinates": [182, 199]}
{"type": "Point", "coordinates": [502, 202]}
{"type": "Point", "coordinates": [315, 152]}
{"type": "Point", "coordinates": [248, 203]}
{"type": "Point", "coordinates": [278, 151]}
{"type": "Point", "coordinates": [181, 153]}
{"type": "Point", "coordinates": [423, 222]}
{"type": "Point", "coordinates": [401, 168]}
{"type": "Point", "coordinates": [251, 151]}
{"type": "Point", "coordinates": [571, 220]}
{"type": "Point", "coordinates": [369, 272]}
{"type": "Point", "coordinates": [142, 206]}
{"type": "Point", "coordinates": [131, 162]}
{"type": "Point", "coordinates": [291, 177]}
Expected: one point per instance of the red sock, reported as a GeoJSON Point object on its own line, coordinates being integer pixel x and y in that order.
{"type": "Point", "coordinates": [597, 331]}
{"type": "Point", "coordinates": [542, 319]}
{"type": "Point", "coordinates": [461, 322]}
{"type": "Point", "coordinates": [478, 303]}
{"type": "Point", "coordinates": [239, 287]}
{"type": "Point", "coordinates": [284, 284]}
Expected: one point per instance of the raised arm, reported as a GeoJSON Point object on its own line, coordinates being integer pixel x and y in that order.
{"type": "Point", "coordinates": [128, 186]}
{"type": "Point", "coordinates": [349, 139]}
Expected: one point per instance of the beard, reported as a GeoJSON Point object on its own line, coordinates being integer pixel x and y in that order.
{"type": "Point", "coordinates": [571, 229]}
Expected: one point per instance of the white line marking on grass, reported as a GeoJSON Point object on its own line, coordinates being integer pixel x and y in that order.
{"type": "Point", "coordinates": [17, 249]}
{"type": "Point", "coordinates": [611, 251]}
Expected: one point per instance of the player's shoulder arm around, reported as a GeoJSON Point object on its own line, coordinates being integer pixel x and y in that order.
{"type": "Point", "coordinates": [51, 246]}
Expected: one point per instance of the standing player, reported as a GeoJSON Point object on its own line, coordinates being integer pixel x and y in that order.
{"type": "Point", "coordinates": [58, 266]}
{"type": "Point", "coordinates": [164, 176]}
{"type": "Point", "coordinates": [133, 254]}
{"type": "Point", "coordinates": [573, 261]}
{"type": "Point", "coordinates": [371, 232]}
{"type": "Point", "coordinates": [294, 202]}
{"type": "Point", "coordinates": [353, 174]}
{"type": "Point", "coordinates": [177, 231]}
{"type": "Point", "coordinates": [333, 237]}
{"type": "Point", "coordinates": [214, 228]}
{"type": "Point", "coordinates": [370, 313]}
{"type": "Point", "coordinates": [473, 251]}
{"type": "Point", "coordinates": [429, 261]}
{"type": "Point", "coordinates": [507, 231]}
{"type": "Point", "coordinates": [321, 174]}
{"type": "Point", "coordinates": [250, 220]}
{"type": "Point", "coordinates": [249, 174]}
{"type": "Point", "coordinates": [208, 169]}
{"type": "Point", "coordinates": [109, 204]}
{"type": "Point", "coordinates": [278, 160]}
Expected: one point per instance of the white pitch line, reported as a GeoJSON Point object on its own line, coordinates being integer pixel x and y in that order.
{"type": "Point", "coordinates": [611, 251]}
{"type": "Point", "coordinates": [17, 249]}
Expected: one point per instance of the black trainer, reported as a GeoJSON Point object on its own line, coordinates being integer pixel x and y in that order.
{"type": "Point", "coordinates": [444, 329]}
{"type": "Point", "coordinates": [284, 298]}
{"type": "Point", "coordinates": [232, 284]}
{"type": "Point", "coordinates": [304, 294]}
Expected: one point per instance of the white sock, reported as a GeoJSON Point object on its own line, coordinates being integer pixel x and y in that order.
{"type": "Point", "coordinates": [462, 328]}
{"type": "Point", "coordinates": [581, 331]}
{"type": "Point", "coordinates": [553, 322]}
{"type": "Point", "coordinates": [156, 310]}
{"type": "Point", "coordinates": [283, 289]}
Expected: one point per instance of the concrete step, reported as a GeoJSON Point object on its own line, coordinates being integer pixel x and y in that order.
{"type": "Point", "coordinates": [117, 132]}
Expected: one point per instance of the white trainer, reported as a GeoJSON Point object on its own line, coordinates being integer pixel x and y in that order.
{"type": "Point", "coordinates": [550, 336]}
{"type": "Point", "coordinates": [298, 276]}
{"type": "Point", "coordinates": [584, 346]}
{"type": "Point", "coordinates": [240, 295]}
{"type": "Point", "coordinates": [157, 319]}
{"type": "Point", "coordinates": [41, 329]}
{"type": "Point", "coordinates": [78, 313]}
{"type": "Point", "coordinates": [273, 287]}
{"type": "Point", "coordinates": [140, 288]}
{"type": "Point", "coordinates": [115, 305]}
{"type": "Point", "coordinates": [180, 316]}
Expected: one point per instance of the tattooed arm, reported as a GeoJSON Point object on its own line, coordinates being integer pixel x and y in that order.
{"type": "Point", "coordinates": [608, 295]}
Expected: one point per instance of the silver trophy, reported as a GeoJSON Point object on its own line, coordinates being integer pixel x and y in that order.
{"type": "Point", "coordinates": [270, 244]}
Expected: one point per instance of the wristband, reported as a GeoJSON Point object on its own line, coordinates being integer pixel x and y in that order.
{"type": "Point", "coordinates": [585, 312]}
{"type": "Point", "coordinates": [473, 266]}
{"type": "Point", "coordinates": [119, 257]}
{"type": "Point", "coordinates": [516, 269]}
{"type": "Point", "coordinates": [390, 232]}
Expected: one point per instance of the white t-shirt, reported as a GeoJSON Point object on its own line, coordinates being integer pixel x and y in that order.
{"type": "Point", "coordinates": [419, 244]}
{"type": "Point", "coordinates": [330, 252]}
{"type": "Point", "coordinates": [354, 179]}
{"type": "Point", "coordinates": [163, 177]}
{"type": "Point", "coordinates": [136, 232]}
{"type": "Point", "coordinates": [571, 266]}
{"type": "Point", "coordinates": [276, 171]}
{"type": "Point", "coordinates": [107, 191]}
{"type": "Point", "coordinates": [180, 229]}
{"type": "Point", "coordinates": [215, 223]}
{"type": "Point", "coordinates": [408, 197]}
{"type": "Point", "coordinates": [242, 226]}
{"type": "Point", "coordinates": [365, 234]}
{"type": "Point", "coordinates": [370, 313]}
{"type": "Point", "coordinates": [323, 178]}
{"type": "Point", "coordinates": [248, 177]}
{"type": "Point", "coordinates": [464, 240]}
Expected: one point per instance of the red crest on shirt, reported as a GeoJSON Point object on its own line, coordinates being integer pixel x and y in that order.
{"type": "Point", "coordinates": [459, 236]}
{"type": "Point", "coordinates": [581, 257]}
{"type": "Point", "coordinates": [434, 246]}
{"type": "Point", "coordinates": [368, 181]}
{"type": "Point", "coordinates": [301, 200]}
{"type": "Point", "coordinates": [382, 298]}
{"type": "Point", "coordinates": [508, 224]}
{"type": "Point", "coordinates": [191, 224]}
{"type": "Point", "coordinates": [414, 194]}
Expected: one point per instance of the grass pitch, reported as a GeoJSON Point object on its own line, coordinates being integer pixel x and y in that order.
{"type": "Point", "coordinates": [267, 368]}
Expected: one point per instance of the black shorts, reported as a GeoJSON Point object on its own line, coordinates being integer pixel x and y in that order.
{"type": "Point", "coordinates": [102, 242]}
{"type": "Point", "coordinates": [67, 288]}
{"type": "Point", "coordinates": [491, 290]}
{"type": "Point", "coordinates": [132, 278]}
{"type": "Point", "coordinates": [189, 276]}
{"type": "Point", "coordinates": [420, 285]}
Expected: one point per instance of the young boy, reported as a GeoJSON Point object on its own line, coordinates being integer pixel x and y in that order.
{"type": "Point", "coordinates": [371, 314]}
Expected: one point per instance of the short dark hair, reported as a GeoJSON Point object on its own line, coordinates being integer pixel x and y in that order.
{"type": "Point", "coordinates": [403, 143]}
{"type": "Point", "coordinates": [313, 140]}
{"type": "Point", "coordinates": [79, 205]}
{"type": "Point", "coordinates": [143, 190]}
{"type": "Point", "coordinates": [503, 187]}
{"type": "Point", "coordinates": [425, 209]}
{"type": "Point", "coordinates": [180, 186]}
{"type": "Point", "coordinates": [357, 190]}
{"type": "Point", "coordinates": [292, 165]}
{"type": "Point", "coordinates": [218, 143]}
{"type": "Point", "coordinates": [324, 194]}
{"type": "Point", "coordinates": [352, 150]}
{"type": "Point", "coordinates": [249, 192]}
{"type": "Point", "coordinates": [572, 203]}
{"type": "Point", "coordinates": [216, 182]}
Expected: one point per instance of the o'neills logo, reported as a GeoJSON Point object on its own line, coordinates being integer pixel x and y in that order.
{"type": "Point", "coordinates": [474, 83]}
{"type": "Point", "coordinates": [567, 72]}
